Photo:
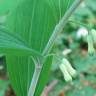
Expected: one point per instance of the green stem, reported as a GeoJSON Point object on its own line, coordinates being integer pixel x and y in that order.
{"type": "Point", "coordinates": [34, 81]}
{"type": "Point", "coordinates": [35, 78]}
{"type": "Point", "coordinates": [60, 26]}
{"type": "Point", "coordinates": [79, 23]}
{"type": "Point", "coordinates": [89, 26]}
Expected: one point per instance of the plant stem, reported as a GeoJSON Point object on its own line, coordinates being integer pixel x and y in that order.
{"type": "Point", "coordinates": [79, 23]}
{"type": "Point", "coordinates": [35, 78]}
{"type": "Point", "coordinates": [60, 26]}
{"type": "Point", "coordinates": [34, 82]}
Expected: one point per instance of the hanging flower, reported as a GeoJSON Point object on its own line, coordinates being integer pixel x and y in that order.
{"type": "Point", "coordinates": [82, 32]}
{"type": "Point", "coordinates": [66, 52]}
{"type": "Point", "coordinates": [67, 70]}
{"type": "Point", "coordinates": [93, 32]}
{"type": "Point", "coordinates": [67, 76]}
{"type": "Point", "coordinates": [91, 49]}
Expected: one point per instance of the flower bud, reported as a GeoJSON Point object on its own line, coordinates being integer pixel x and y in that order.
{"type": "Point", "coordinates": [82, 32]}
{"type": "Point", "coordinates": [93, 32]}
{"type": "Point", "coordinates": [67, 76]}
{"type": "Point", "coordinates": [69, 68]}
{"type": "Point", "coordinates": [91, 49]}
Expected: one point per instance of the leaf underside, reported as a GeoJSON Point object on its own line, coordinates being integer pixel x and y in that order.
{"type": "Point", "coordinates": [34, 21]}
{"type": "Point", "coordinates": [12, 45]}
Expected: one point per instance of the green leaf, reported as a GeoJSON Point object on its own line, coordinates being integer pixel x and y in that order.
{"type": "Point", "coordinates": [8, 5]}
{"type": "Point", "coordinates": [13, 46]}
{"type": "Point", "coordinates": [34, 21]}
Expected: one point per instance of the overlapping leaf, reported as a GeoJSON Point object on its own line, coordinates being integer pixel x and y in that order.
{"type": "Point", "coordinates": [13, 46]}
{"type": "Point", "coordinates": [34, 21]}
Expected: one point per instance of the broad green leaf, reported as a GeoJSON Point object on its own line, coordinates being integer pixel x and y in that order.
{"type": "Point", "coordinates": [34, 21]}
{"type": "Point", "coordinates": [7, 5]}
{"type": "Point", "coordinates": [13, 46]}
{"type": "Point", "coordinates": [20, 71]}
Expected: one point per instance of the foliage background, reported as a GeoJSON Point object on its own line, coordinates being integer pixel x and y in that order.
{"type": "Point", "coordinates": [85, 83]}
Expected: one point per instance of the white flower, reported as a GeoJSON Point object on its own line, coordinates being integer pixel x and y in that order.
{"type": "Point", "coordinates": [66, 51]}
{"type": "Point", "coordinates": [67, 76]}
{"type": "Point", "coordinates": [82, 32]}
{"type": "Point", "coordinates": [69, 68]}
{"type": "Point", "coordinates": [93, 32]}
{"type": "Point", "coordinates": [91, 49]}
{"type": "Point", "coordinates": [83, 4]}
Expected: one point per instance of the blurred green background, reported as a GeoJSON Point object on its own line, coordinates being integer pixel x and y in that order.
{"type": "Point", "coordinates": [72, 45]}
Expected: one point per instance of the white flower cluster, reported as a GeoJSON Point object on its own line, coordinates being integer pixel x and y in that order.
{"type": "Point", "coordinates": [91, 38]}
{"type": "Point", "coordinates": [68, 71]}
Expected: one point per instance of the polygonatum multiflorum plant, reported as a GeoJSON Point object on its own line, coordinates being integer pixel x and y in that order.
{"type": "Point", "coordinates": [27, 37]}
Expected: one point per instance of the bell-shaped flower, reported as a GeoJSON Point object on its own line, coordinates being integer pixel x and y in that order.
{"type": "Point", "coordinates": [93, 32]}
{"type": "Point", "coordinates": [90, 41]}
{"type": "Point", "coordinates": [69, 68]}
{"type": "Point", "coordinates": [82, 32]}
{"type": "Point", "coordinates": [67, 76]}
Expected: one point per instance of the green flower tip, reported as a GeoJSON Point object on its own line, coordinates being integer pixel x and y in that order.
{"type": "Point", "coordinates": [93, 32]}
{"type": "Point", "coordinates": [67, 76]}
{"type": "Point", "coordinates": [67, 70]}
{"type": "Point", "coordinates": [70, 69]}
{"type": "Point", "coordinates": [91, 49]}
